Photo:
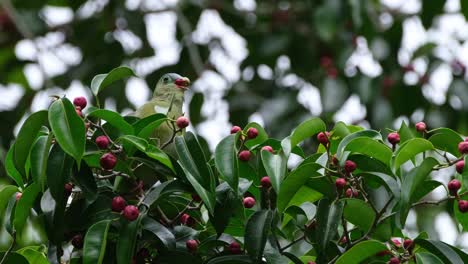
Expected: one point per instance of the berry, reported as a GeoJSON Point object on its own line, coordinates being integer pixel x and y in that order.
{"type": "Point", "coordinates": [453, 186]}
{"type": "Point", "coordinates": [408, 244]}
{"type": "Point", "coordinates": [388, 82]}
{"type": "Point", "coordinates": [102, 142]}
{"type": "Point", "coordinates": [245, 155]}
{"type": "Point", "coordinates": [196, 198]}
{"type": "Point", "coordinates": [350, 193]}
{"type": "Point", "coordinates": [311, 262]}
{"type": "Point", "coordinates": [131, 212]}
{"type": "Point", "coordinates": [323, 138]}
{"type": "Point", "coordinates": [396, 242]}
{"type": "Point", "coordinates": [332, 72]}
{"type": "Point", "coordinates": [68, 189]}
{"type": "Point", "coordinates": [383, 253]}
{"type": "Point", "coordinates": [408, 68]}
{"type": "Point", "coordinates": [265, 182]}
{"type": "Point", "coordinates": [182, 122]}
{"type": "Point", "coordinates": [463, 147]}
{"type": "Point", "coordinates": [340, 183]}
{"type": "Point", "coordinates": [80, 101]}
{"type": "Point", "coordinates": [463, 206]}
{"type": "Point", "coordinates": [252, 133]}
{"type": "Point", "coordinates": [18, 196]}
{"type": "Point", "coordinates": [191, 245]}
{"type": "Point", "coordinates": [235, 129]}
{"type": "Point", "coordinates": [108, 161]}
{"type": "Point", "coordinates": [393, 138]}
{"type": "Point", "coordinates": [77, 241]}
{"type": "Point", "coordinates": [234, 248]}
{"type": "Point", "coordinates": [249, 202]}
{"type": "Point", "coordinates": [394, 260]}
{"type": "Point", "coordinates": [459, 166]}
{"type": "Point", "coordinates": [267, 148]}
{"type": "Point", "coordinates": [326, 61]}
{"type": "Point", "coordinates": [349, 166]}
{"type": "Point", "coordinates": [79, 113]}
{"type": "Point", "coordinates": [421, 127]}
{"type": "Point", "coordinates": [335, 160]}
{"type": "Point", "coordinates": [118, 204]}
{"type": "Point", "coordinates": [187, 220]}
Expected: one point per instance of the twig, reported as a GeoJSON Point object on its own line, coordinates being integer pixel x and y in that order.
{"type": "Point", "coordinates": [112, 175]}
{"type": "Point", "coordinates": [13, 243]}
{"type": "Point", "coordinates": [174, 133]}
{"type": "Point", "coordinates": [163, 215]}
{"type": "Point", "coordinates": [292, 243]}
{"type": "Point", "coordinates": [437, 202]}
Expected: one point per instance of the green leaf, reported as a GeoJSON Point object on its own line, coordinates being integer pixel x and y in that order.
{"type": "Point", "coordinates": [164, 236]}
{"type": "Point", "coordinates": [15, 258]}
{"type": "Point", "coordinates": [363, 133]}
{"type": "Point", "coordinates": [95, 243]}
{"type": "Point", "coordinates": [262, 136]}
{"type": "Point", "coordinates": [295, 180]}
{"type": "Point", "coordinates": [275, 167]}
{"type": "Point", "coordinates": [11, 169]}
{"type": "Point", "coordinates": [389, 182]}
{"type": "Point", "coordinates": [256, 233]}
{"type": "Point", "coordinates": [142, 123]}
{"type": "Point", "coordinates": [113, 118]}
{"type": "Point", "coordinates": [429, 10]}
{"type": "Point", "coordinates": [33, 256]}
{"type": "Point", "coordinates": [305, 130]}
{"type": "Point", "coordinates": [371, 148]}
{"type": "Point", "coordinates": [161, 189]}
{"type": "Point", "coordinates": [227, 204]}
{"type": "Point", "coordinates": [464, 8]}
{"type": "Point", "coordinates": [26, 137]}
{"type": "Point", "coordinates": [226, 160]}
{"type": "Point", "coordinates": [85, 180]}
{"type": "Point", "coordinates": [148, 131]}
{"type": "Point", "coordinates": [150, 150]}
{"type": "Point", "coordinates": [101, 81]}
{"type": "Point", "coordinates": [24, 206]}
{"type": "Point", "coordinates": [412, 181]}
{"type": "Point", "coordinates": [231, 260]}
{"type": "Point", "coordinates": [68, 128]}
{"type": "Point", "coordinates": [441, 250]}
{"type": "Point", "coordinates": [127, 240]}
{"type": "Point", "coordinates": [6, 191]}
{"type": "Point", "coordinates": [359, 213]}
{"type": "Point", "coordinates": [405, 133]}
{"type": "Point", "coordinates": [427, 258]}
{"type": "Point", "coordinates": [409, 150]}
{"type": "Point", "coordinates": [39, 156]}
{"type": "Point", "coordinates": [328, 219]}
{"type": "Point", "coordinates": [59, 167]}
{"type": "Point", "coordinates": [462, 218]}
{"type": "Point", "coordinates": [445, 139]}
{"type": "Point", "coordinates": [53, 213]}
{"type": "Point", "coordinates": [424, 50]}
{"type": "Point", "coordinates": [360, 252]}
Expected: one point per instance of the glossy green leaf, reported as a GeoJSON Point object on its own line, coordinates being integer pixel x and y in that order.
{"type": "Point", "coordinates": [59, 167]}
{"type": "Point", "coordinates": [409, 150]}
{"type": "Point", "coordinates": [305, 130]}
{"type": "Point", "coordinates": [371, 148]}
{"type": "Point", "coordinates": [226, 160]}
{"type": "Point", "coordinates": [150, 150]}
{"type": "Point", "coordinates": [6, 191]}
{"type": "Point", "coordinates": [127, 240]}
{"type": "Point", "coordinates": [328, 219]}
{"type": "Point", "coordinates": [227, 204]}
{"type": "Point", "coordinates": [462, 218]}
{"type": "Point", "coordinates": [441, 250]}
{"type": "Point", "coordinates": [364, 133]}
{"type": "Point", "coordinates": [113, 118]}
{"type": "Point", "coordinates": [360, 252]}
{"type": "Point", "coordinates": [389, 182]}
{"type": "Point", "coordinates": [84, 178]}
{"type": "Point", "coordinates": [295, 180]}
{"type": "Point", "coordinates": [10, 168]}
{"type": "Point", "coordinates": [102, 81]}
{"type": "Point", "coordinates": [33, 256]}
{"type": "Point", "coordinates": [164, 235]}
{"type": "Point", "coordinates": [15, 258]}
{"type": "Point", "coordinates": [359, 213]}
{"type": "Point", "coordinates": [142, 123]}
{"type": "Point", "coordinates": [24, 206]}
{"type": "Point", "coordinates": [148, 130]}
{"type": "Point", "coordinates": [68, 128]}
{"type": "Point", "coordinates": [39, 157]}
{"type": "Point", "coordinates": [231, 260]}
{"type": "Point", "coordinates": [445, 139]}
{"type": "Point", "coordinates": [256, 233]}
{"type": "Point", "coordinates": [26, 137]}
{"type": "Point", "coordinates": [262, 136]}
{"type": "Point", "coordinates": [405, 133]}
{"type": "Point", "coordinates": [427, 258]}
{"type": "Point", "coordinates": [159, 190]}
{"type": "Point", "coordinates": [275, 167]}
{"type": "Point", "coordinates": [54, 219]}
{"type": "Point", "coordinates": [95, 242]}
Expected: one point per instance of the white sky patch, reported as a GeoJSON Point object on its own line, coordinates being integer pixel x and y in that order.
{"type": "Point", "coordinates": [362, 59]}
{"type": "Point", "coordinates": [245, 5]}
{"type": "Point", "coordinates": [309, 97]}
{"type": "Point", "coordinates": [10, 95]}
{"type": "Point", "coordinates": [20, 124]}
{"type": "Point", "coordinates": [55, 16]}
{"type": "Point", "coordinates": [33, 74]}
{"type": "Point", "coordinates": [448, 233]}
{"type": "Point", "coordinates": [129, 40]}
{"type": "Point", "coordinates": [351, 111]}
{"type": "Point", "coordinates": [91, 7]}
{"type": "Point", "coordinates": [439, 83]}
{"type": "Point", "coordinates": [257, 118]}
{"type": "Point", "coordinates": [25, 50]}
{"type": "Point", "coordinates": [265, 72]}
{"type": "Point", "coordinates": [43, 99]}
{"type": "Point", "coordinates": [137, 91]}
{"type": "Point", "coordinates": [151, 5]}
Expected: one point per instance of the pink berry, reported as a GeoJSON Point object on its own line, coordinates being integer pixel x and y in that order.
{"type": "Point", "coordinates": [118, 204]}
{"type": "Point", "coordinates": [265, 182]}
{"type": "Point", "coordinates": [459, 166]}
{"type": "Point", "coordinates": [393, 138]}
{"type": "Point", "coordinates": [463, 206]}
{"type": "Point", "coordinates": [252, 133]}
{"type": "Point", "coordinates": [349, 166]}
{"type": "Point", "coordinates": [311, 262]}
{"type": "Point", "coordinates": [182, 122]}
{"type": "Point", "coordinates": [18, 196]}
{"type": "Point", "coordinates": [408, 244]}
{"type": "Point", "coordinates": [350, 193]}
{"type": "Point", "coordinates": [108, 161]}
{"type": "Point", "coordinates": [396, 242]}
{"type": "Point", "coordinates": [80, 101]}
{"type": "Point", "coordinates": [463, 147]}
{"type": "Point", "coordinates": [323, 138]}
{"type": "Point", "coordinates": [196, 198]}
{"type": "Point", "coordinates": [394, 260]}
{"type": "Point", "coordinates": [68, 189]}
{"type": "Point", "coordinates": [131, 212]}
{"type": "Point", "coordinates": [102, 142]}
{"type": "Point", "coordinates": [340, 183]}
{"type": "Point", "coordinates": [453, 186]}
{"type": "Point", "coordinates": [235, 129]}
{"type": "Point", "coordinates": [267, 148]}
{"type": "Point", "coordinates": [79, 113]}
{"type": "Point", "coordinates": [234, 248]}
{"type": "Point", "coordinates": [77, 241]}
{"type": "Point", "coordinates": [245, 155]}
{"type": "Point", "coordinates": [421, 127]}
{"type": "Point", "coordinates": [192, 245]}
{"type": "Point", "coordinates": [187, 220]}
{"type": "Point", "coordinates": [326, 61]}
{"type": "Point", "coordinates": [249, 202]}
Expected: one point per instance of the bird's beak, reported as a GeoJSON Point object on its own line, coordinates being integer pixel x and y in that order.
{"type": "Point", "coordinates": [182, 83]}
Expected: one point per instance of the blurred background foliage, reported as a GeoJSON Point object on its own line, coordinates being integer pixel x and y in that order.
{"type": "Point", "coordinates": [277, 62]}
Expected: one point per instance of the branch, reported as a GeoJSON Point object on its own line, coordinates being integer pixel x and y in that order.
{"type": "Point", "coordinates": [292, 243]}
{"type": "Point", "coordinates": [112, 175]}
{"type": "Point", "coordinates": [174, 133]}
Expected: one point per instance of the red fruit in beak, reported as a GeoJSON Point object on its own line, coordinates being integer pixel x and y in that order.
{"type": "Point", "coordinates": [182, 82]}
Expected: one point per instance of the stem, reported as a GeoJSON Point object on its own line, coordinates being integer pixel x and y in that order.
{"type": "Point", "coordinates": [345, 231]}
{"type": "Point", "coordinates": [163, 215]}
{"type": "Point", "coordinates": [292, 243]}
{"type": "Point", "coordinates": [13, 243]}
{"type": "Point", "coordinates": [437, 202]}
{"type": "Point", "coordinates": [114, 174]}
{"type": "Point", "coordinates": [174, 133]}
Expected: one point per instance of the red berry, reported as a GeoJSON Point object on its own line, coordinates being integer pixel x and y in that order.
{"type": "Point", "coordinates": [131, 212]}
{"type": "Point", "coordinates": [350, 193]}
{"type": "Point", "coordinates": [335, 160]}
{"type": "Point", "coordinates": [394, 260]}
{"type": "Point", "coordinates": [187, 220]}
{"type": "Point", "coordinates": [191, 245]}
{"type": "Point", "coordinates": [78, 112]}
{"type": "Point", "coordinates": [265, 182]}
{"type": "Point", "coordinates": [459, 166]}
{"type": "Point", "coordinates": [463, 147]}
{"type": "Point", "coordinates": [453, 186]}
{"type": "Point", "coordinates": [463, 206]}
{"type": "Point", "coordinates": [18, 196]}
{"type": "Point", "coordinates": [408, 244]}
{"type": "Point", "coordinates": [393, 138]}
{"type": "Point", "coordinates": [349, 166]}
{"type": "Point", "coordinates": [68, 189]}
{"type": "Point", "coordinates": [235, 129]}
{"type": "Point", "coordinates": [108, 161]}
{"type": "Point", "coordinates": [383, 253]}
{"type": "Point", "coordinates": [311, 262]}
{"type": "Point", "coordinates": [408, 68]}
{"type": "Point", "coordinates": [466, 139]}
{"type": "Point", "coordinates": [80, 101]}
{"type": "Point", "coordinates": [234, 248]}
{"type": "Point", "coordinates": [326, 61]}
{"type": "Point", "coordinates": [332, 72]}
{"type": "Point", "coordinates": [323, 138]}
{"type": "Point", "coordinates": [77, 241]}
{"type": "Point", "coordinates": [249, 202]}
{"type": "Point", "coordinates": [421, 127]}
{"type": "Point", "coordinates": [267, 148]}
{"type": "Point", "coordinates": [245, 155]}
{"type": "Point", "coordinates": [396, 242]}
{"type": "Point", "coordinates": [102, 142]}
{"type": "Point", "coordinates": [196, 198]}
{"type": "Point", "coordinates": [340, 183]}
{"type": "Point", "coordinates": [182, 122]}
{"type": "Point", "coordinates": [118, 204]}
{"type": "Point", "coordinates": [252, 133]}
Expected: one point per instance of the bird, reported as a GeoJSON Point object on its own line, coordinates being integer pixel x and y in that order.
{"type": "Point", "coordinates": [168, 99]}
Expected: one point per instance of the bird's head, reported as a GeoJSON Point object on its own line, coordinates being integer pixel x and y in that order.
{"type": "Point", "coordinates": [172, 83]}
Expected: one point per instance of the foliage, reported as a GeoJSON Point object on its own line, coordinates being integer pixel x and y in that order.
{"type": "Point", "coordinates": [203, 207]}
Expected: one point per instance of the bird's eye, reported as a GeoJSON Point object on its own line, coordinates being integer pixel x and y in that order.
{"type": "Point", "coordinates": [166, 79]}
